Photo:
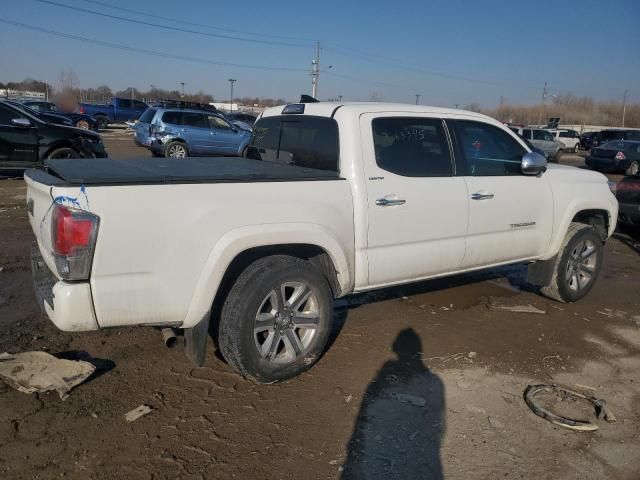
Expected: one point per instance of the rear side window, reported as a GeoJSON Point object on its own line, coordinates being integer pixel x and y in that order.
{"type": "Point", "coordinates": [304, 141]}
{"type": "Point", "coordinates": [526, 133]}
{"type": "Point", "coordinates": [488, 150]}
{"type": "Point", "coordinates": [171, 117]}
{"type": "Point", "coordinates": [198, 120]}
{"type": "Point", "coordinates": [412, 147]}
{"type": "Point", "coordinates": [147, 116]}
{"type": "Point", "coordinates": [566, 135]}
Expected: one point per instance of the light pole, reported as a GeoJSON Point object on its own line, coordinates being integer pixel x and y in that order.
{"type": "Point", "coordinates": [231, 81]}
{"type": "Point", "coordinates": [182, 83]}
{"type": "Point", "coordinates": [417, 98]}
{"type": "Point", "coordinates": [153, 87]}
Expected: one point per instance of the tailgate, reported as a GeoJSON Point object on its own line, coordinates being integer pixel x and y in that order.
{"type": "Point", "coordinates": [39, 203]}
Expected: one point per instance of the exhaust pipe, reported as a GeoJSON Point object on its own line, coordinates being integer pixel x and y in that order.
{"type": "Point", "coordinates": [169, 337]}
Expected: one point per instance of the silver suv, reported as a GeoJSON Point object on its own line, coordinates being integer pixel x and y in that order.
{"type": "Point", "coordinates": [542, 139]}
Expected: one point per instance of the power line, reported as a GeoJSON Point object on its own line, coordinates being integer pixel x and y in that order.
{"type": "Point", "coordinates": [168, 27]}
{"type": "Point", "coordinates": [192, 24]}
{"type": "Point", "coordinates": [145, 51]}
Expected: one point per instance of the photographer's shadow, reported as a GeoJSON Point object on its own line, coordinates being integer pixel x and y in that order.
{"type": "Point", "coordinates": [401, 421]}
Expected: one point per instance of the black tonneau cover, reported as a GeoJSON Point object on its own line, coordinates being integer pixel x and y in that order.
{"type": "Point", "coordinates": [107, 171]}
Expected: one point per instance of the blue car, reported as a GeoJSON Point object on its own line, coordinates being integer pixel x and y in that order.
{"type": "Point", "coordinates": [179, 133]}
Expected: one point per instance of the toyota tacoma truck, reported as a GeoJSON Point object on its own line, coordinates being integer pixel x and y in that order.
{"type": "Point", "coordinates": [330, 199]}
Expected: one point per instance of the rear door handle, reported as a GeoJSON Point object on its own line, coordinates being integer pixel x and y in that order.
{"type": "Point", "coordinates": [481, 196]}
{"type": "Point", "coordinates": [388, 202]}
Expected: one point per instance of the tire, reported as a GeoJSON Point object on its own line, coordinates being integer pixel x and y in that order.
{"type": "Point", "coordinates": [176, 150]}
{"type": "Point", "coordinates": [64, 152]}
{"type": "Point", "coordinates": [576, 148]}
{"type": "Point", "coordinates": [633, 169]}
{"type": "Point", "coordinates": [83, 124]}
{"type": "Point", "coordinates": [103, 122]}
{"type": "Point", "coordinates": [574, 264]}
{"type": "Point", "coordinates": [253, 318]}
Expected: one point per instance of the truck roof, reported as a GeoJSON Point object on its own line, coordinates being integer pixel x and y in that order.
{"type": "Point", "coordinates": [328, 109]}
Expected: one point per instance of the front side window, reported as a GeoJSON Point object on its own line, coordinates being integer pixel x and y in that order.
{"type": "Point", "coordinates": [6, 115]}
{"type": "Point", "coordinates": [302, 140]}
{"type": "Point", "coordinates": [138, 104]}
{"type": "Point", "coordinates": [197, 120]}
{"type": "Point", "coordinates": [548, 136]}
{"type": "Point", "coordinates": [219, 123]}
{"type": "Point", "coordinates": [412, 146]}
{"type": "Point", "coordinates": [538, 135]}
{"type": "Point", "coordinates": [488, 150]}
{"type": "Point", "coordinates": [124, 103]}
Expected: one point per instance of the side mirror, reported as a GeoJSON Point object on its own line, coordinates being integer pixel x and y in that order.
{"type": "Point", "coordinates": [20, 122]}
{"type": "Point", "coordinates": [533, 164]}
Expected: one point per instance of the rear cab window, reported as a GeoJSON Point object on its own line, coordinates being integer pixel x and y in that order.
{"type": "Point", "coordinates": [301, 140]}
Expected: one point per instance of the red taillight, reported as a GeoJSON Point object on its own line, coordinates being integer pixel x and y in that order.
{"type": "Point", "coordinates": [73, 235]}
{"type": "Point", "coordinates": [81, 109]}
{"type": "Point", "coordinates": [620, 156]}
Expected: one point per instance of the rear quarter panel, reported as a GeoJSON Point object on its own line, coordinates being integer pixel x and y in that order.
{"type": "Point", "coordinates": [162, 249]}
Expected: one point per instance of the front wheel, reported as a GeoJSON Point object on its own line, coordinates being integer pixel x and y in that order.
{"type": "Point", "coordinates": [276, 319]}
{"type": "Point", "coordinates": [82, 124]}
{"type": "Point", "coordinates": [103, 122]}
{"type": "Point", "coordinates": [64, 152]}
{"type": "Point", "coordinates": [577, 265]}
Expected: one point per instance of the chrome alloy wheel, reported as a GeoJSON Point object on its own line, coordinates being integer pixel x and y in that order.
{"type": "Point", "coordinates": [286, 322]}
{"type": "Point", "coordinates": [581, 265]}
{"type": "Point", "coordinates": [177, 151]}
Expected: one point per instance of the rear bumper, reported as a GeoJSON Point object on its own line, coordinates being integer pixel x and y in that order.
{"type": "Point", "coordinates": [68, 305]}
{"type": "Point", "coordinates": [629, 212]}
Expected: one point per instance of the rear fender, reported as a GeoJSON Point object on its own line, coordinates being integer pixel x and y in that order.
{"type": "Point", "coordinates": [241, 239]}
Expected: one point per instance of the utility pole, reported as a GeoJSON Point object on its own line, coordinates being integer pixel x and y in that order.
{"type": "Point", "coordinates": [501, 101]}
{"type": "Point", "coordinates": [133, 95]}
{"type": "Point", "coordinates": [315, 72]}
{"type": "Point", "coordinates": [545, 92]}
{"type": "Point", "coordinates": [624, 107]}
{"type": "Point", "coordinates": [339, 98]}
{"type": "Point", "coordinates": [455, 105]}
{"type": "Point", "coordinates": [417, 98]}
{"type": "Point", "coordinates": [231, 81]}
{"type": "Point", "coordinates": [182, 83]}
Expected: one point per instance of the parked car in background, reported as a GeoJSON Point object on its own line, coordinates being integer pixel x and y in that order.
{"type": "Point", "coordinates": [26, 140]}
{"type": "Point", "coordinates": [179, 133]}
{"type": "Point", "coordinates": [616, 156]}
{"type": "Point", "coordinates": [627, 192]}
{"type": "Point", "coordinates": [118, 111]}
{"type": "Point", "coordinates": [246, 118]}
{"type": "Point", "coordinates": [45, 117]}
{"type": "Point", "coordinates": [544, 140]}
{"type": "Point", "coordinates": [79, 120]}
{"type": "Point", "coordinates": [331, 199]}
{"type": "Point", "coordinates": [533, 148]}
{"type": "Point", "coordinates": [615, 134]}
{"type": "Point", "coordinates": [570, 139]}
{"type": "Point", "coordinates": [586, 139]}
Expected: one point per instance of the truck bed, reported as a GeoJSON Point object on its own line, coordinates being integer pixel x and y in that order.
{"type": "Point", "coordinates": [149, 171]}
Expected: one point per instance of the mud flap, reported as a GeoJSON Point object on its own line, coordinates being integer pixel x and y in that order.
{"type": "Point", "coordinates": [195, 338]}
{"type": "Point", "coordinates": [540, 273]}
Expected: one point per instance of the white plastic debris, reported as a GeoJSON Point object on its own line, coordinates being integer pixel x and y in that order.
{"type": "Point", "coordinates": [138, 412]}
{"type": "Point", "coordinates": [36, 372]}
{"type": "Point", "coordinates": [519, 308]}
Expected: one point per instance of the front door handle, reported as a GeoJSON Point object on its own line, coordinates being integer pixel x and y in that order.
{"type": "Point", "coordinates": [482, 196]}
{"type": "Point", "coordinates": [388, 202]}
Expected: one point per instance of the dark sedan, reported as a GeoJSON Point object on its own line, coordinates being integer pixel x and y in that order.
{"type": "Point", "coordinates": [79, 120]}
{"type": "Point", "coordinates": [628, 194]}
{"type": "Point", "coordinates": [615, 134]}
{"type": "Point", "coordinates": [616, 156]}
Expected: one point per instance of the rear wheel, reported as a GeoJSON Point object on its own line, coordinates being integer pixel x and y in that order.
{"type": "Point", "coordinates": [176, 150]}
{"type": "Point", "coordinates": [577, 265]}
{"type": "Point", "coordinates": [83, 124]}
{"type": "Point", "coordinates": [276, 319]}
{"type": "Point", "coordinates": [633, 169]}
{"type": "Point", "coordinates": [64, 152]}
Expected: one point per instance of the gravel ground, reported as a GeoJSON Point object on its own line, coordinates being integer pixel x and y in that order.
{"type": "Point", "coordinates": [424, 381]}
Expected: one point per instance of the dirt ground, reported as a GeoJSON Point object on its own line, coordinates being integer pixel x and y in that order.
{"type": "Point", "coordinates": [424, 381]}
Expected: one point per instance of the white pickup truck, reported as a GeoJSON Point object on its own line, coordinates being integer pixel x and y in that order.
{"type": "Point", "coordinates": [332, 199]}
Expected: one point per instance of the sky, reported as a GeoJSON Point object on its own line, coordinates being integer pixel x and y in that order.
{"type": "Point", "coordinates": [450, 52]}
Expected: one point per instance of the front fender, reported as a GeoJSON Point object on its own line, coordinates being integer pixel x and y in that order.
{"type": "Point", "coordinates": [244, 238]}
{"type": "Point", "coordinates": [574, 207]}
